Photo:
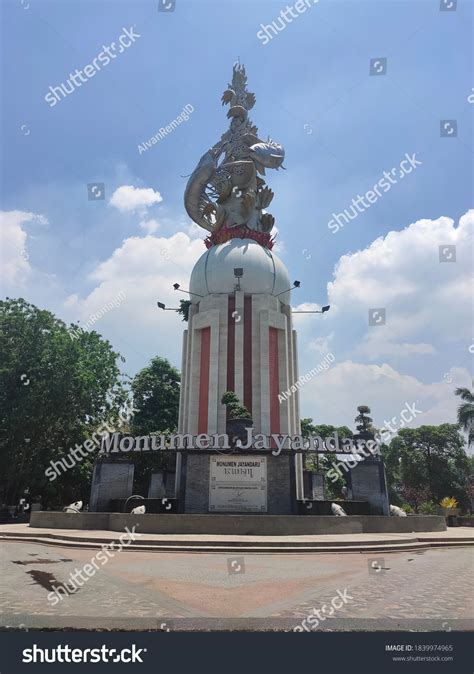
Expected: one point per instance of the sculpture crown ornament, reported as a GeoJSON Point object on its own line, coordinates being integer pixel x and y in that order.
{"type": "Point", "coordinates": [225, 193]}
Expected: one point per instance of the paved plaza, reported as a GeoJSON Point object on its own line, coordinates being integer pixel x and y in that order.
{"type": "Point", "coordinates": [420, 590]}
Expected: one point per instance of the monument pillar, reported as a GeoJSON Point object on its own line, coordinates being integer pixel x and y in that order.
{"type": "Point", "coordinates": [249, 350]}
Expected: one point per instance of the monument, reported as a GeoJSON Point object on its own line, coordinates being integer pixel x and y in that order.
{"type": "Point", "coordinates": [238, 382]}
{"type": "Point", "coordinates": [240, 336]}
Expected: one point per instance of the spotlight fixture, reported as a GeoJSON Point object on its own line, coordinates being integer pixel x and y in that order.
{"type": "Point", "coordinates": [165, 308]}
{"type": "Point", "coordinates": [176, 286]}
{"type": "Point", "coordinates": [296, 284]}
{"type": "Point", "coordinates": [238, 273]}
{"type": "Point", "coordinates": [321, 311]}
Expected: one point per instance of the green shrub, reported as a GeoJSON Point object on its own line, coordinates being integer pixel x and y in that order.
{"type": "Point", "coordinates": [234, 409]}
{"type": "Point", "coordinates": [428, 508]}
{"type": "Point", "coordinates": [229, 398]}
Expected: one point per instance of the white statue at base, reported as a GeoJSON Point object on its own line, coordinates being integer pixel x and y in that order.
{"type": "Point", "coordinates": [395, 511]}
{"type": "Point", "coordinates": [73, 507]}
{"type": "Point", "coordinates": [139, 510]}
{"type": "Point", "coordinates": [337, 510]}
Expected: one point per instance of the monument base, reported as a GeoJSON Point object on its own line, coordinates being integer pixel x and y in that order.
{"type": "Point", "coordinates": [239, 525]}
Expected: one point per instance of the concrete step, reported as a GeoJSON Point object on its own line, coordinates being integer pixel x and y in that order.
{"type": "Point", "coordinates": [239, 542]}
{"type": "Point", "coordinates": [256, 547]}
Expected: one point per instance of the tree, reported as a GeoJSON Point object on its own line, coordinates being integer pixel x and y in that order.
{"type": "Point", "coordinates": [363, 423]}
{"type": "Point", "coordinates": [466, 412]}
{"type": "Point", "coordinates": [156, 391]}
{"type": "Point", "coordinates": [184, 309]}
{"type": "Point", "coordinates": [57, 385]}
{"type": "Point", "coordinates": [431, 457]}
{"type": "Point", "coordinates": [325, 462]}
{"type": "Point", "coordinates": [415, 496]}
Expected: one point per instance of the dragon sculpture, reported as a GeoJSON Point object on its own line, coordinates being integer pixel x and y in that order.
{"type": "Point", "coordinates": [225, 193]}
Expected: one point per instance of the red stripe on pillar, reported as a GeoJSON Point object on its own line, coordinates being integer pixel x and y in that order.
{"type": "Point", "coordinates": [274, 380]}
{"type": "Point", "coordinates": [204, 380]}
{"type": "Point", "coordinates": [248, 353]}
{"type": "Point", "coordinates": [231, 343]}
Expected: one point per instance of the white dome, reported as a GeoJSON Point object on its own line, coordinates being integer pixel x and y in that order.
{"type": "Point", "coordinates": [263, 271]}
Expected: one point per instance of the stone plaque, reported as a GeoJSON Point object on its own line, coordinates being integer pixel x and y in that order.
{"type": "Point", "coordinates": [318, 486]}
{"type": "Point", "coordinates": [368, 483]}
{"type": "Point", "coordinates": [238, 484]}
{"type": "Point", "coordinates": [111, 480]}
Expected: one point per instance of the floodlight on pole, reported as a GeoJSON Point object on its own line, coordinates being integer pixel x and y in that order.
{"type": "Point", "coordinates": [176, 286]}
{"type": "Point", "coordinates": [321, 311]}
{"type": "Point", "coordinates": [296, 284]}
{"type": "Point", "coordinates": [163, 306]}
{"type": "Point", "coordinates": [238, 274]}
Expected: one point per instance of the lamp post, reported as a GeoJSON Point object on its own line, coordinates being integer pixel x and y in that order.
{"type": "Point", "coordinates": [238, 273]}
{"type": "Point", "coordinates": [176, 286]}
{"type": "Point", "coordinates": [320, 311]}
{"type": "Point", "coordinates": [163, 306]}
{"type": "Point", "coordinates": [296, 284]}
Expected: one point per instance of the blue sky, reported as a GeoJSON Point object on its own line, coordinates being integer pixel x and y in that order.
{"type": "Point", "coordinates": [341, 128]}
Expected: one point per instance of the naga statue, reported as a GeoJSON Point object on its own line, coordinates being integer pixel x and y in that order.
{"type": "Point", "coordinates": [225, 193]}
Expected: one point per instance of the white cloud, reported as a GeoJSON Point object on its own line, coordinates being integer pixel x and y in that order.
{"type": "Point", "coordinates": [427, 302]}
{"type": "Point", "coordinates": [279, 246]}
{"type": "Point", "coordinates": [307, 309]}
{"type": "Point", "coordinates": [144, 270]}
{"type": "Point", "coordinates": [333, 395]}
{"type": "Point", "coordinates": [194, 230]}
{"type": "Point", "coordinates": [72, 301]}
{"type": "Point", "coordinates": [374, 347]}
{"type": "Point", "coordinates": [129, 198]}
{"type": "Point", "coordinates": [15, 267]}
{"type": "Point", "coordinates": [321, 345]}
{"type": "Point", "coordinates": [428, 312]}
{"type": "Point", "coordinates": [149, 226]}
{"type": "Point", "coordinates": [402, 273]}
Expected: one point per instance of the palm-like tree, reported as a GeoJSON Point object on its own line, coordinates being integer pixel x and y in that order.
{"type": "Point", "coordinates": [466, 412]}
